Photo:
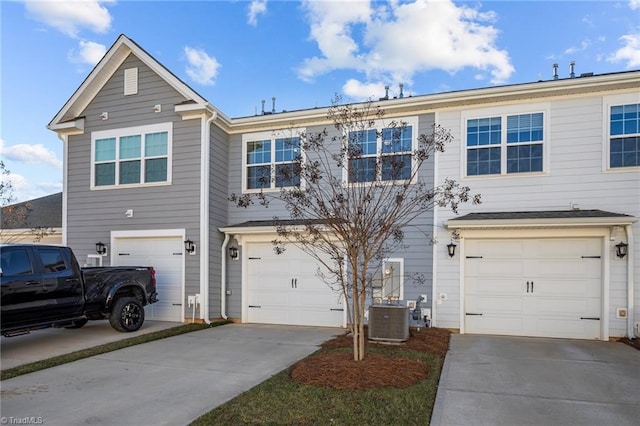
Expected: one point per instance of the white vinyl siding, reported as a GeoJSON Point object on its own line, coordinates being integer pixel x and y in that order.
{"type": "Point", "coordinates": [131, 156]}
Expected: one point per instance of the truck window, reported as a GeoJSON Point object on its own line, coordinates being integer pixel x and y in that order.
{"type": "Point", "coordinates": [52, 260]}
{"type": "Point", "coordinates": [15, 262]}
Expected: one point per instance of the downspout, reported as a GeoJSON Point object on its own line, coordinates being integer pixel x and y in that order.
{"type": "Point", "coordinates": [65, 162]}
{"type": "Point", "coordinates": [223, 277]}
{"type": "Point", "coordinates": [204, 216]}
{"type": "Point", "coordinates": [630, 283]}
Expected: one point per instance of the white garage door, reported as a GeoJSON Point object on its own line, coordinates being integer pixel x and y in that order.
{"type": "Point", "coordinates": [165, 254]}
{"type": "Point", "coordinates": [537, 287]}
{"type": "Point", "coordinates": [286, 289]}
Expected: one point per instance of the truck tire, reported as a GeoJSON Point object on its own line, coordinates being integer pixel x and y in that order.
{"type": "Point", "coordinates": [127, 314]}
{"type": "Point", "coordinates": [79, 323]}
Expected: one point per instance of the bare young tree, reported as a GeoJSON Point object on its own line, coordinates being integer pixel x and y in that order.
{"type": "Point", "coordinates": [350, 201]}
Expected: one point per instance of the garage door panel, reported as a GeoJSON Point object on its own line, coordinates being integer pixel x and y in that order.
{"type": "Point", "coordinates": [498, 248]}
{"type": "Point", "coordinates": [495, 286]}
{"type": "Point", "coordinates": [560, 283]}
{"type": "Point", "coordinates": [482, 267]}
{"type": "Point", "coordinates": [165, 254]}
{"type": "Point", "coordinates": [285, 289]}
{"type": "Point", "coordinates": [494, 324]}
{"type": "Point", "coordinates": [493, 305]}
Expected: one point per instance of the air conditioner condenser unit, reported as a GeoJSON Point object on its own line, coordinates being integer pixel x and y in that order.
{"type": "Point", "coordinates": [389, 323]}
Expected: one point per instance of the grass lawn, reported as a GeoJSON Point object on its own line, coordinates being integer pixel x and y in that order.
{"type": "Point", "coordinates": [282, 400]}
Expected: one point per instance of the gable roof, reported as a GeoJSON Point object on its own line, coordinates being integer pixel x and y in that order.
{"type": "Point", "coordinates": [104, 70]}
{"type": "Point", "coordinates": [45, 212]}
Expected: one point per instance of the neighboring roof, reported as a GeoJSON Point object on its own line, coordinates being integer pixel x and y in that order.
{"type": "Point", "coordinates": [541, 218]}
{"type": "Point", "coordinates": [43, 212]}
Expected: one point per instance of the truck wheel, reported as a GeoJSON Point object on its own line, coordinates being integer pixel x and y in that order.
{"type": "Point", "coordinates": [127, 314]}
{"type": "Point", "coordinates": [77, 323]}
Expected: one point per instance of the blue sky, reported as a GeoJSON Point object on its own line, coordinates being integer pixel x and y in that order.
{"type": "Point", "coordinates": [237, 53]}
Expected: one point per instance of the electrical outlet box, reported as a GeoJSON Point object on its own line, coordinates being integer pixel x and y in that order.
{"type": "Point", "coordinates": [621, 313]}
{"type": "Point", "coordinates": [191, 300]}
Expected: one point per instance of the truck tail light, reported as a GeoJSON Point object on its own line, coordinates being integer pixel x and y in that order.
{"type": "Point", "coordinates": [153, 277]}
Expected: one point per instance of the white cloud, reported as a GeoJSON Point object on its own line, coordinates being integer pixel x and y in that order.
{"type": "Point", "coordinates": [69, 17]}
{"type": "Point", "coordinates": [584, 45]}
{"type": "Point", "coordinates": [201, 67]}
{"type": "Point", "coordinates": [256, 8]}
{"type": "Point", "coordinates": [24, 190]}
{"type": "Point", "coordinates": [634, 4]}
{"type": "Point", "coordinates": [630, 52]}
{"type": "Point", "coordinates": [88, 52]}
{"type": "Point", "coordinates": [363, 91]}
{"type": "Point", "coordinates": [404, 38]}
{"type": "Point", "coordinates": [32, 154]}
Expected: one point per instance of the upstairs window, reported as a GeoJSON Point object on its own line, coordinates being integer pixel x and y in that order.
{"type": "Point", "coordinates": [624, 136]}
{"type": "Point", "coordinates": [271, 162]}
{"type": "Point", "coordinates": [134, 156]}
{"type": "Point", "coordinates": [381, 154]}
{"type": "Point", "coordinates": [505, 144]}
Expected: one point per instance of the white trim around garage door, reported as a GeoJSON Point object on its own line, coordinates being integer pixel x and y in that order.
{"type": "Point", "coordinates": [153, 233]}
{"type": "Point", "coordinates": [602, 234]}
{"type": "Point", "coordinates": [245, 241]}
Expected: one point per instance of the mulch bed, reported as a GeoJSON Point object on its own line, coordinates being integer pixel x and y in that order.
{"type": "Point", "coordinates": [635, 342]}
{"type": "Point", "coordinates": [338, 369]}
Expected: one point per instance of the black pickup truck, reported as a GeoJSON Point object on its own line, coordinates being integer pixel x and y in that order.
{"type": "Point", "coordinates": [43, 286]}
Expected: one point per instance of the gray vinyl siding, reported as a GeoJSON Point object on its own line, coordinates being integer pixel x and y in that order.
{"type": "Point", "coordinates": [218, 212]}
{"type": "Point", "coordinates": [93, 214]}
{"type": "Point", "coordinates": [577, 139]}
{"type": "Point", "coordinates": [418, 257]}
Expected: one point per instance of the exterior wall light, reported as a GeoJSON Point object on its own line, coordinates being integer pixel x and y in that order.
{"type": "Point", "coordinates": [621, 249]}
{"type": "Point", "coordinates": [190, 247]}
{"type": "Point", "coordinates": [233, 253]}
{"type": "Point", "coordinates": [101, 249]}
{"type": "Point", "coordinates": [451, 249]}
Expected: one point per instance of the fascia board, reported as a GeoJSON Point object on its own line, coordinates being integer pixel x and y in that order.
{"type": "Point", "coordinates": [540, 223]}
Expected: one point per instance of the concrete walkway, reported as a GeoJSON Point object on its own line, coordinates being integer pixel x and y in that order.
{"type": "Point", "coordinates": [166, 382]}
{"type": "Point", "coordinates": [492, 380]}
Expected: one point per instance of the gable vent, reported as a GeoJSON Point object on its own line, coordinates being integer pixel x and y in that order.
{"type": "Point", "coordinates": [131, 81]}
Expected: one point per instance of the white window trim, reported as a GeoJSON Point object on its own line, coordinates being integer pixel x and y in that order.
{"type": "Point", "coordinates": [543, 108]}
{"type": "Point", "coordinates": [271, 136]}
{"type": "Point", "coordinates": [607, 103]}
{"type": "Point", "coordinates": [378, 126]}
{"type": "Point", "coordinates": [130, 131]}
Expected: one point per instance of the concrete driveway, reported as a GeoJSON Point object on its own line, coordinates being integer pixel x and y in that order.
{"type": "Point", "coordinates": [50, 342]}
{"type": "Point", "coordinates": [492, 380]}
{"type": "Point", "coordinates": [167, 382]}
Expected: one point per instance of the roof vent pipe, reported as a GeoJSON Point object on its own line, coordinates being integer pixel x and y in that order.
{"type": "Point", "coordinates": [273, 104]}
{"type": "Point", "coordinates": [555, 71]}
{"type": "Point", "coordinates": [572, 72]}
{"type": "Point", "coordinates": [401, 94]}
{"type": "Point", "coordinates": [263, 107]}
{"type": "Point", "coordinates": [386, 92]}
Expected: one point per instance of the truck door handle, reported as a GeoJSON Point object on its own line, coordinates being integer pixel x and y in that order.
{"type": "Point", "coordinates": [527, 286]}
{"type": "Point", "coordinates": [531, 286]}
{"type": "Point", "coordinates": [32, 283]}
